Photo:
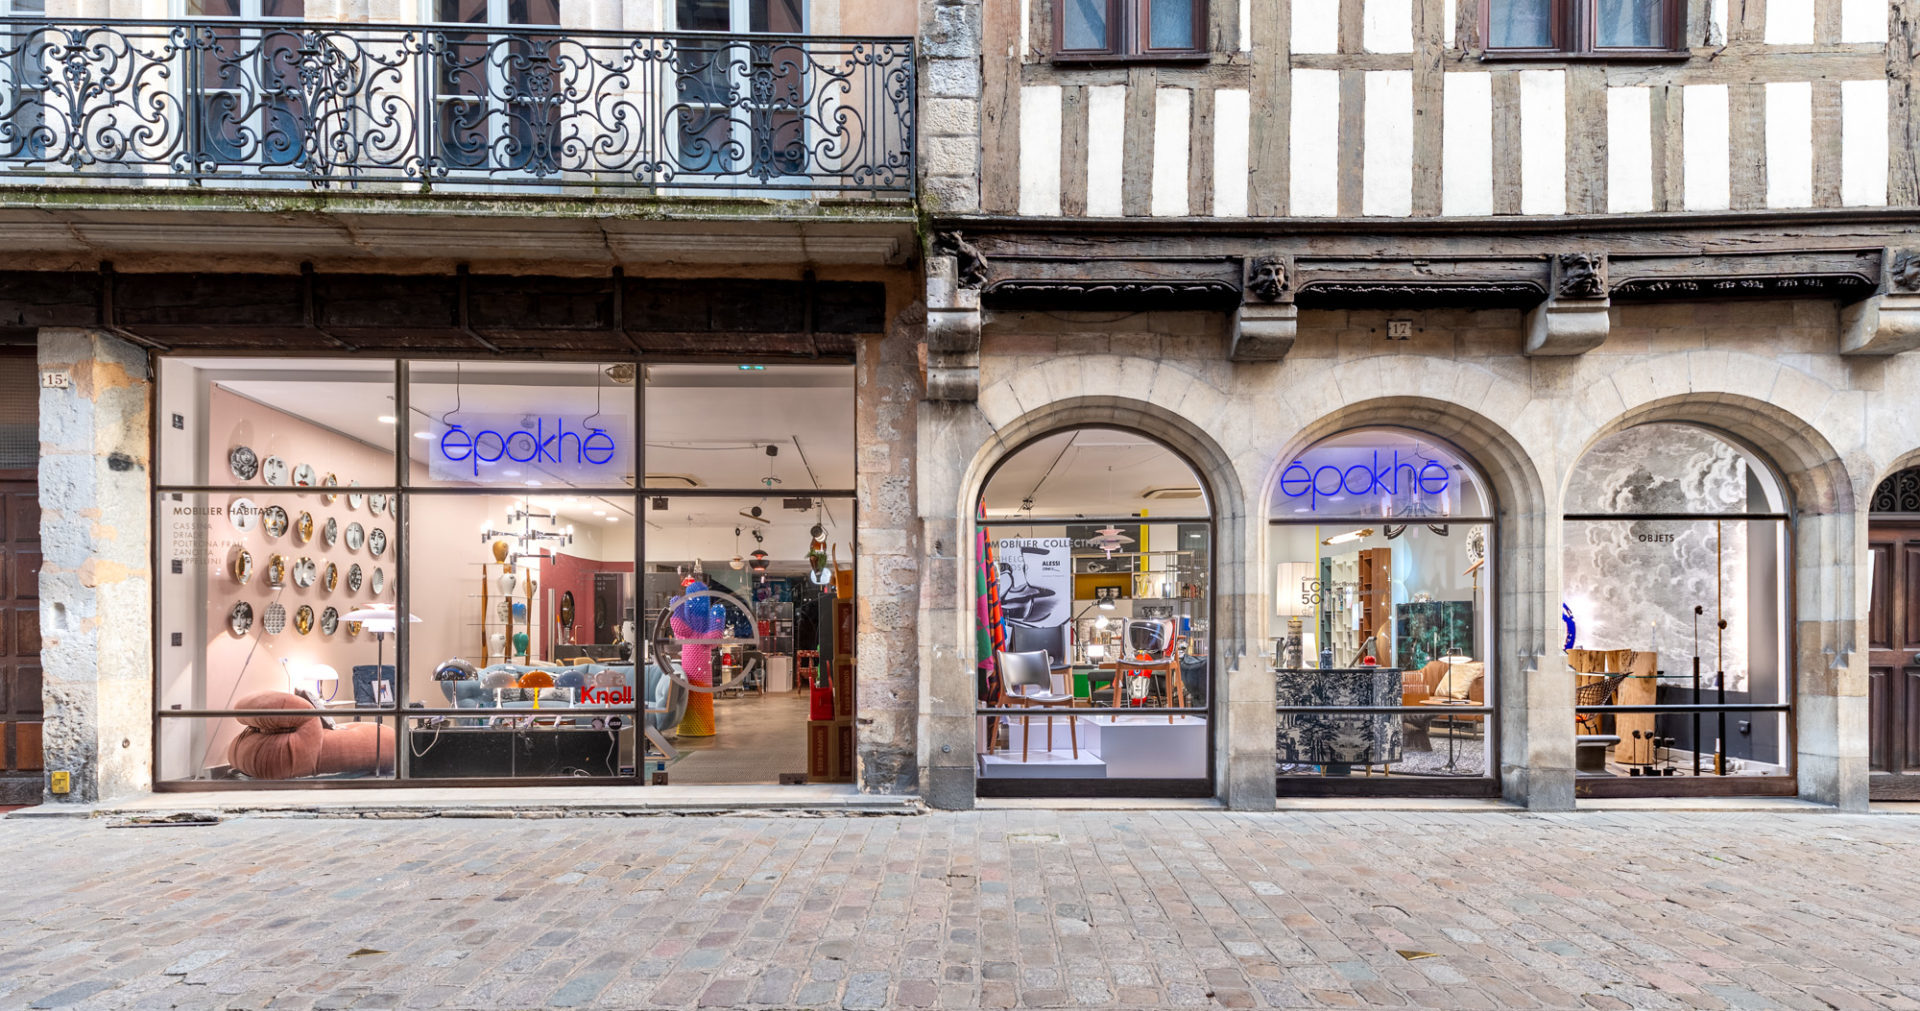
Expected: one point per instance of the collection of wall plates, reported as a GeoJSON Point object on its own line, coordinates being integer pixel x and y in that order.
{"type": "Point", "coordinates": [301, 528]}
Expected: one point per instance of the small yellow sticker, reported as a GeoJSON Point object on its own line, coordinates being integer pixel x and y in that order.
{"type": "Point", "coordinates": [61, 782]}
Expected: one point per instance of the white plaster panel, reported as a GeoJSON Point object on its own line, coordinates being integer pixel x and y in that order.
{"type": "Point", "coordinates": [1106, 130]}
{"type": "Point", "coordinates": [1172, 143]}
{"type": "Point", "coordinates": [1313, 189]}
{"type": "Point", "coordinates": [1386, 26]}
{"type": "Point", "coordinates": [1863, 142]}
{"type": "Point", "coordinates": [1789, 22]}
{"type": "Point", "coordinates": [1629, 150]}
{"type": "Point", "coordinates": [1543, 142]}
{"type": "Point", "coordinates": [1717, 23]}
{"type": "Point", "coordinates": [1040, 150]}
{"type": "Point", "coordinates": [1453, 15]}
{"type": "Point", "coordinates": [1466, 159]}
{"type": "Point", "coordinates": [1316, 26]}
{"type": "Point", "coordinates": [1026, 28]}
{"type": "Point", "coordinates": [1790, 144]}
{"type": "Point", "coordinates": [1232, 126]}
{"type": "Point", "coordinates": [1386, 182]}
{"type": "Point", "coordinates": [1246, 26]}
{"type": "Point", "coordinates": [1707, 184]}
{"type": "Point", "coordinates": [1863, 20]}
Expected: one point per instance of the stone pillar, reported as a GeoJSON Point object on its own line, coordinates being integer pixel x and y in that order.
{"type": "Point", "coordinates": [1535, 691]}
{"type": "Point", "coordinates": [951, 434]}
{"type": "Point", "coordinates": [96, 597]}
{"type": "Point", "coordinates": [1830, 734]}
{"type": "Point", "coordinates": [888, 568]}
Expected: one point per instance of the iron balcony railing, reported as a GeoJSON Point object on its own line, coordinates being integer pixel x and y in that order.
{"type": "Point", "coordinates": [227, 101]}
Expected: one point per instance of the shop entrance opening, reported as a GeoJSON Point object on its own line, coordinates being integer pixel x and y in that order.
{"type": "Point", "coordinates": [1893, 639]}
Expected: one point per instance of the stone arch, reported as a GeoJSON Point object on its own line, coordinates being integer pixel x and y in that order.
{"type": "Point", "coordinates": [1531, 768]}
{"type": "Point", "coordinates": [1829, 531]}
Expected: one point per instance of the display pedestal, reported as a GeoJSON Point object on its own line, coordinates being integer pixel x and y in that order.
{"type": "Point", "coordinates": [1042, 765]}
{"type": "Point", "coordinates": [1147, 747]}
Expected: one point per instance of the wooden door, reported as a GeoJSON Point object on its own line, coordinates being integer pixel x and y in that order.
{"type": "Point", "coordinates": [1893, 661]}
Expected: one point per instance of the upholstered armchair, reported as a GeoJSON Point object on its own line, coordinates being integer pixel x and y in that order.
{"type": "Point", "coordinates": [295, 747]}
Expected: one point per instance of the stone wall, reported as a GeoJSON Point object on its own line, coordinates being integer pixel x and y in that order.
{"type": "Point", "coordinates": [95, 580]}
{"type": "Point", "coordinates": [1765, 372]}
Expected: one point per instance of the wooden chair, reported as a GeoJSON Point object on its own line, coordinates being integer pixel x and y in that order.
{"type": "Point", "coordinates": [1026, 679]}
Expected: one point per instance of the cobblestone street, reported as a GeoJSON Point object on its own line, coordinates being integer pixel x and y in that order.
{"type": "Point", "coordinates": [1020, 908]}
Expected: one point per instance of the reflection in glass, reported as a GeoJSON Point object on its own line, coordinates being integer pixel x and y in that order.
{"type": "Point", "coordinates": [707, 427]}
{"type": "Point", "coordinates": [1521, 24]}
{"type": "Point", "coordinates": [1086, 24]}
{"type": "Point", "coordinates": [1634, 23]}
{"type": "Point", "coordinates": [256, 423]}
{"type": "Point", "coordinates": [1171, 25]}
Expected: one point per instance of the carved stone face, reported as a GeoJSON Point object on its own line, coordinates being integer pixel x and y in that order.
{"type": "Point", "coordinates": [1269, 280]}
{"type": "Point", "coordinates": [1906, 271]}
{"type": "Point", "coordinates": [1580, 275]}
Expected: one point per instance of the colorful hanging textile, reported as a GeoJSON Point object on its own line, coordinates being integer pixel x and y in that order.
{"type": "Point", "coordinates": [989, 620]}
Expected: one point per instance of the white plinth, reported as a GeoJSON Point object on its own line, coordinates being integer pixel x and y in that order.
{"type": "Point", "coordinates": [1147, 747]}
{"type": "Point", "coordinates": [779, 674]}
{"type": "Point", "coordinates": [1042, 765]}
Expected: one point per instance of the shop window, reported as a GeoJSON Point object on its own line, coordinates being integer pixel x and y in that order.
{"type": "Point", "coordinates": [1381, 638]}
{"type": "Point", "coordinates": [465, 558]}
{"type": "Point", "coordinates": [1590, 28]}
{"type": "Point", "coordinates": [1674, 594]}
{"type": "Point", "coordinates": [1087, 30]}
{"type": "Point", "coordinates": [1095, 660]}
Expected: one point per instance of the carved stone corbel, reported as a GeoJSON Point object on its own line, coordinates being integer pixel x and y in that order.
{"type": "Point", "coordinates": [955, 271]}
{"type": "Point", "coordinates": [1887, 322]}
{"type": "Point", "coordinates": [1573, 320]}
{"type": "Point", "coordinates": [1266, 322]}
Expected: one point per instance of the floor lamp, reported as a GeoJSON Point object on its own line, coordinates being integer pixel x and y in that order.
{"type": "Point", "coordinates": [381, 620]}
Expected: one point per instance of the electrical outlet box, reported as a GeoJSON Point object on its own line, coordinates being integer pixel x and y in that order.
{"type": "Point", "coordinates": [60, 782]}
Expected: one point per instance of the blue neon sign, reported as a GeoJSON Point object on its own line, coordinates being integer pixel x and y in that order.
{"type": "Point", "coordinates": [510, 447]}
{"type": "Point", "coordinates": [1363, 479]}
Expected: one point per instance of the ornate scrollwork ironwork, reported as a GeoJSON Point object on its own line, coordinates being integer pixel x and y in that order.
{"type": "Point", "coordinates": [233, 101]}
{"type": "Point", "coordinates": [1899, 493]}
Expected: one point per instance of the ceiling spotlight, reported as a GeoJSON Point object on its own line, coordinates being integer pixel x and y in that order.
{"type": "Point", "coordinates": [388, 419]}
{"type": "Point", "coordinates": [660, 503]}
{"type": "Point", "coordinates": [423, 435]}
{"type": "Point", "coordinates": [773, 450]}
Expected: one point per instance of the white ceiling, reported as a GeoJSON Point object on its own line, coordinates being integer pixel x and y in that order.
{"type": "Point", "coordinates": [1093, 472]}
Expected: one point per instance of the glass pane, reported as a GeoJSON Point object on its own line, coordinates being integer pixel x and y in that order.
{"type": "Point", "coordinates": [498, 424]}
{"type": "Point", "coordinates": [1385, 615]}
{"type": "Point", "coordinates": [1172, 24]}
{"type": "Point", "coordinates": [283, 8]}
{"type": "Point", "coordinates": [468, 12]}
{"type": "Point", "coordinates": [533, 12]}
{"type": "Point", "coordinates": [1378, 475]}
{"type": "Point", "coordinates": [745, 605]}
{"type": "Point", "coordinates": [782, 16]}
{"type": "Point", "coordinates": [213, 8]}
{"type": "Point", "coordinates": [785, 428]}
{"type": "Point", "coordinates": [1631, 22]}
{"type": "Point", "coordinates": [276, 748]}
{"type": "Point", "coordinates": [703, 15]}
{"type": "Point", "coordinates": [1101, 472]}
{"type": "Point", "coordinates": [276, 424]}
{"type": "Point", "coordinates": [1671, 468]}
{"type": "Point", "coordinates": [1086, 25]}
{"type": "Point", "coordinates": [1521, 24]}
{"type": "Point", "coordinates": [29, 8]}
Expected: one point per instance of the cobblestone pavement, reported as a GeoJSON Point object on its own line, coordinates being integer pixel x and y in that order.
{"type": "Point", "coordinates": [986, 909]}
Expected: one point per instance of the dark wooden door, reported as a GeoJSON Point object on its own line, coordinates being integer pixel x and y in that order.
{"type": "Point", "coordinates": [1893, 660]}
{"type": "Point", "coordinates": [20, 707]}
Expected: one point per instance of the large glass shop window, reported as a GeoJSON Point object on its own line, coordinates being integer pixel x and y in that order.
{"type": "Point", "coordinates": [1380, 637]}
{"type": "Point", "coordinates": [1674, 594]}
{"type": "Point", "coordinates": [1094, 620]}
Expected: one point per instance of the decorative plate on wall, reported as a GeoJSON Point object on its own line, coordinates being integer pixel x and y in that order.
{"type": "Point", "coordinates": [376, 503]}
{"type": "Point", "coordinates": [240, 619]}
{"type": "Point", "coordinates": [304, 526]}
{"type": "Point", "coordinates": [355, 536]}
{"type": "Point", "coordinates": [242, 566]}
{"type": "Point", "coordinates": [303, 476]}
{"type": "Point", "coordinates": [273, 470]}
{"type": "Point", "coordinates": [330, 578]}
{"type": "Point", "coordinates": [274, 619]}
{"type": "Point", "coordinates": [243, 514]}
{"type": "Point", "coordinates": [353, 578]}
{"type": "Point", "coordinates": [243, 463]}
{"type": "Point", "coordinates": [276, 571]}
{"type": "Point", "coordinates": [303, 619]}
{"type": "Point", "coordinates": [377, 542]}
{"type": "Point", "coordinates": [329, 621]}
{"type": "Point", "coordinates": [330, 534]}
{"type": "Point", "coordinates": [274, 519]}
{"type": "Point", "coordinates": [329, 482]}
{"type": "Point", "coordinates": [305, 572]}
{"type": "Point", "coordinates": [566, 609]}
{"type": "Point", "coordinates": [378, 582]}
{"type": "Point", "coordinates": [354, 498]}
{"type": "Point", "coordinates": [393, 507]}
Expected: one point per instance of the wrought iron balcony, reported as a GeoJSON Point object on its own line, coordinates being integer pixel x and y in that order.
{"type": "Point", "coordinates": [469, 106]}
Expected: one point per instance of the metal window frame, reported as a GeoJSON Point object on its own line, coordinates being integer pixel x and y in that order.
{"type": "Point", "coordinates": [1575, 28]}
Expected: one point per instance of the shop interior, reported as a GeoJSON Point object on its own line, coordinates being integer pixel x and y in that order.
{"type": "Point", "coordinates": [1095, 596]}
{"type": "Point", "coordinates": [1381, 591]}
{"type": "Point", "coordinates": [1674, 563]}
{"type": "Point", "coordinates": [519, 526]}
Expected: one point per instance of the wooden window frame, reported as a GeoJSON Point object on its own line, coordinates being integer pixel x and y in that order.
{"type": "Point", "coordinates": [1127, 36]}
{"type": "Point", "coordinates": [1576, 32]}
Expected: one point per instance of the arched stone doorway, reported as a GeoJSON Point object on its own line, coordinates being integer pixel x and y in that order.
{"type": "Point", "coordinates": [1893, 638]}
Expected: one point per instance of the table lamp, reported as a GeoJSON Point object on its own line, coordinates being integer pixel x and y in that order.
{"type": "Point", "coordinates": [380, 619]}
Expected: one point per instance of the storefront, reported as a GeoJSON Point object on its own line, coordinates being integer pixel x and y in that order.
{"type": "Point", "coordinates": [484, 571]}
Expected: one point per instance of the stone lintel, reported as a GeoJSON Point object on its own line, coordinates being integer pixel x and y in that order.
{"type": "Point", "coordinates": [1567, 326]}
{"type": "Point", "coordinates": [1262, 332]}
{"type": "Point", "coordinates": [1884, 324]}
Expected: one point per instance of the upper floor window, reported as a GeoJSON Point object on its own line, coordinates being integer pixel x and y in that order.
{"type": "Point", "coordinates": [251, 10]}
{"type": "Point", "coordinates": [779, 16]}
{"type": "Point", "coordinates": [1129, 29]}
{"type": "Point", "coordinates": [497, 12]}
{"type": "Point", "coordinates": [1583, 27]}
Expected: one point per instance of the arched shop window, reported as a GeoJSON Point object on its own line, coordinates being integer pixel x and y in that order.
{"type": "Point", "coordinates": [1381, 633]}
{"type": "Point", "coordinates": [1673, 589]}
{"type": "Point", "coordinates": [1094, 622]}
